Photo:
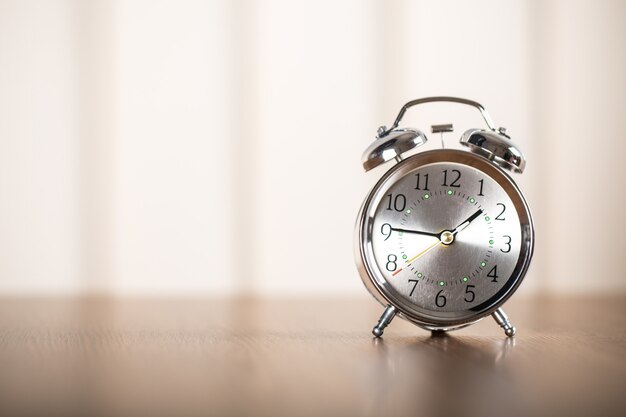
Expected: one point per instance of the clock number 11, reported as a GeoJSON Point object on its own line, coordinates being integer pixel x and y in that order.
{"type": "Point", "coordinates": [417, 186]}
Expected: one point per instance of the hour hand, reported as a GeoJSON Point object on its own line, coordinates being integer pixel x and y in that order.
{"type": "Point", "coordinates": [417, 232]}
{"type": "Point", "coordinates": [467, 222]}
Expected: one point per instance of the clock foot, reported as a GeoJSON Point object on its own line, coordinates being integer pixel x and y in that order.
{"type": "Point", "coordinates": [503, 321]}
{"type": "Point", "coordinates": [384, 320]}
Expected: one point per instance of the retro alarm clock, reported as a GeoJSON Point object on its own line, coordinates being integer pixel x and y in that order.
{"type": "Point", "coordinates": [445, 237]}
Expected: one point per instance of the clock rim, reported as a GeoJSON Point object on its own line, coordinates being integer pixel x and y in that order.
{"type": "Point", "coordinates": [382, 291]}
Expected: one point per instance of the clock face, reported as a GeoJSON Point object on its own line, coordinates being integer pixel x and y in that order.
{"type": "Point", "coordinates": [447, 236]}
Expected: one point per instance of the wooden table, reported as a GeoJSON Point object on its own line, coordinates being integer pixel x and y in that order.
{"type": "Point", "coordinates": [94, 357]}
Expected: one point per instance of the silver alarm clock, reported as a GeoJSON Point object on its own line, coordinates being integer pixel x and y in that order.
{"type": "Point", "coordinates": [445, 237]}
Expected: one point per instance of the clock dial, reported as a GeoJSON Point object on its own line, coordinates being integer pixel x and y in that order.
{"type": "Point", "coordinates": [446, 237]}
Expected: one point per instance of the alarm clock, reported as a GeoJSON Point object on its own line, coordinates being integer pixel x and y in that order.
{"type": "Point", "coordinates": [445, 237]}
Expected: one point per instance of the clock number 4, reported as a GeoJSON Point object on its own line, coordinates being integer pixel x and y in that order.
{"type": "Point", "coordinates": [493, 274]}
{"type": "Point", "coordinates": [456, 174]}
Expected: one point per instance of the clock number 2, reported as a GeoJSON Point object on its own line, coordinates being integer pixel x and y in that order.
{"type": "Point", "coordinates": [499, 216]}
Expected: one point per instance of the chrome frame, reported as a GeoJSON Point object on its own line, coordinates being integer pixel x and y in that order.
{"type": "Point", "coordinates": [373, 278]}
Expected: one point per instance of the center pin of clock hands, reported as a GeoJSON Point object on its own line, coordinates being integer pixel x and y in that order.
{"type": "Point", "coordinates": [446, 237]}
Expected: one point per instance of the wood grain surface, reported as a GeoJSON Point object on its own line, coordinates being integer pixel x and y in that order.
{"type": "Point", "coordinates": [117, 357]}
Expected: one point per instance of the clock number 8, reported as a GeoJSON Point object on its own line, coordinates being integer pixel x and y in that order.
{"type": "Point", "coordinates": [391, 262]}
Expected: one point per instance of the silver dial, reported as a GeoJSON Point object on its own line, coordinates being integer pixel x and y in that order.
{"type": "Point", "coordinates": [446, 236]}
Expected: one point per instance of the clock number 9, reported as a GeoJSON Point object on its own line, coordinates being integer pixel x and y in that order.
{"type": "Point", "coordinates": [386, 226]}
{"type": "Point", "coordinates": [391, 262]}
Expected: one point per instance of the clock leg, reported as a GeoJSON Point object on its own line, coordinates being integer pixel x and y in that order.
{"type": "Point", "coordinates": [384, 320]}
{"type": "Point", "coordinates": [503, 321]}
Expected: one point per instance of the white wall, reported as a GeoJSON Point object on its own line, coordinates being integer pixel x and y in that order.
{"type": "Point", "coordinates": [213, 147]}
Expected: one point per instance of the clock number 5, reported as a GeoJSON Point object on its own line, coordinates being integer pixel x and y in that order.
{"type": "Point", "coordinates": [469, 294]}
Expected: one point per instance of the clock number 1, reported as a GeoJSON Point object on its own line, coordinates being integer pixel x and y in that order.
{"type": "Point", "coordinates": [482, 183]}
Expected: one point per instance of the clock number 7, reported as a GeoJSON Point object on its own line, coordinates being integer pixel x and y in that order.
{"type": "Point", "coordinates": [414, 281]}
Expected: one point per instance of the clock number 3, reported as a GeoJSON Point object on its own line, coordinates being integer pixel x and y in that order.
{"type": "Point", "coordinates": [508, 244]}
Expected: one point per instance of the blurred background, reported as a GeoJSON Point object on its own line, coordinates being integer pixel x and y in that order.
{"type": "Point", "coordinates": [191, 148]}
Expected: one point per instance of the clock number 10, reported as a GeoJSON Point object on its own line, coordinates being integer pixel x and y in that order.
{"type": "Point", "coordinates": [397, 203]}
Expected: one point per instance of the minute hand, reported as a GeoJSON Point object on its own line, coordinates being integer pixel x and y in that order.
{"type": "Point", "coordinates": [466, 223]}
{"type": "Point", "coordinates": [418, 232]}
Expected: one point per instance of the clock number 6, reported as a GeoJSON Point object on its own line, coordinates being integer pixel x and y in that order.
{"type": "Point", "coordinates": [440, 299]}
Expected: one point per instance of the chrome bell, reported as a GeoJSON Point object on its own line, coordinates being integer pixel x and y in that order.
{"type": "Point", "coordinates": [495, 146]}
{"type": "Point", "coordinates": [390, 145]}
